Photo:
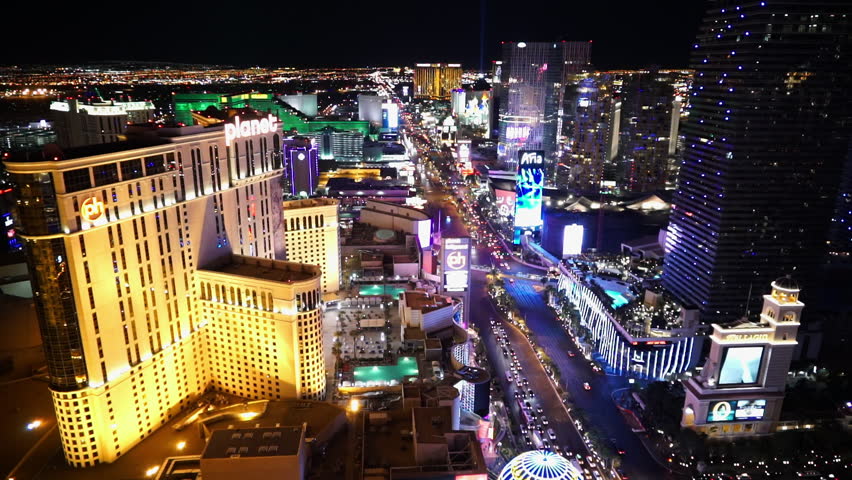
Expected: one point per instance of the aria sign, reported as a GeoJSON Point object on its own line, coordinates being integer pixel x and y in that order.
{"type": "Point", "coordinates": [92, 209]}
{"type": "Point", "coordinates": [249, 128]}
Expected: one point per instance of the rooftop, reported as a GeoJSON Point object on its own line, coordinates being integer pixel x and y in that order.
{"type": "Point", "coordinates": [395, 209]}
{"type": "Point", "coordinates": [254, 442]}
{"type": "Point", "coordinates": [431, 423]}
{"type": "Point", "coordinates": [265, 269]}
{"type": "Point", "coordinates": [424, 301]}
{"type": "Point", "coordinates": [310, 202]}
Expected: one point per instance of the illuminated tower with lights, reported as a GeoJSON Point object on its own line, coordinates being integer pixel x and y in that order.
{"type": "Point", "coordinates": [154, 273]}
{"type": "Point", "coordinates": [531, 91]}
{"type": "Point", "coordinates": [741, 388]}
{"type": "Point", "coordinates": [765, 140]}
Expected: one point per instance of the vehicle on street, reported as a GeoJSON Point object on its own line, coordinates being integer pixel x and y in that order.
{"type": "Point", "coordinates": [586, 386]}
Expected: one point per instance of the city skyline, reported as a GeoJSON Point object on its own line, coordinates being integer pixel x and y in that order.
{"type": "Point", "coordinates": [513, 241]}
{"type": "Point", "coordinates": [636, 35]}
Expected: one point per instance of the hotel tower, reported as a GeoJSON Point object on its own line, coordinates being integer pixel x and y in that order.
{"type": "Point", "coordinates": [154, 272]}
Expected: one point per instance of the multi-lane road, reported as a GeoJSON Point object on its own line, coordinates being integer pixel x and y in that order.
{"type": "Point", "coordinates": [575, 370]}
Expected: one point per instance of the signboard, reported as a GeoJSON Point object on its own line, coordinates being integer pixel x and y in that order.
{"type": "Point", "coordinates": [741, 366]}
{"type": "Point", "coordinates": [249, 128]}
{"type": "Point", "coordinates": [572, 240]}
{"type": "Point", "coordinates": [390, 116]}
{"type": "Point", "coordinates": [528, 189]}
{"type": "Point", "coordinates": [736, 410]}
{"type": "Point", "coordinates": [91, 209]}
{"type": "Point", "coordinates": [456, 263]}
{"type": "Point", "coordinates": [505, 202]}
{"type": "Point", "coordinates": [465, 166]}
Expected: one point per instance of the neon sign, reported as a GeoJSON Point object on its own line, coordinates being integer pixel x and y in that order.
{"type": "Point", "coordinates": [517, 133]}
{"type": "Point", "coordinates": [92, 209]}
{"type": "Point", "coordinates": [249, 128]}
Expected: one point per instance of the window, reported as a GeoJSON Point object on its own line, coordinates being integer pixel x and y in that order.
{"type": "Point", "coordinates": [105, 174]}
{"type": "Point", "coordinates": [154, 165]}
{"type": "Point", "coordinates": [131, 169]}
{"type": "Point", "coordinates": [76, 180]}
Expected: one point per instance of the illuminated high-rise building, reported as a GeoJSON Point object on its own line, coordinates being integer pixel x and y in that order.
{"type": "Point", "coordinates": [530, 95]}
{"type": "Point", "coordinates": [765, 142]}
{"type": "Point", "coordinates": [152, 263]}
{"type": "Point", "coordinates": [436, 80]}
{"type": "Point", "coordinates": [78, 123]}
{"type": "Point", "coordinates": [312, 236]}
{"type": "Point", "coordinates": [651, 114]}
{"type": "Point", "coordinates": [597, 118]}
{"type": "Point", "coordinates": [301, 165]}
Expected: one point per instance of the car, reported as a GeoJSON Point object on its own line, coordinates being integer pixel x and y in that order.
{"type": "Point", "coordinates": [586, 386]}
{"type": "Point", "coordinates": [572, 354]}
{"type": "Point", "coordinates": [539, 409]}
{"type": "Point", "coordinates": [544, 420]}
{"type": "Point", "coordinates": [617, 448]}
{"type": "Point", "coordinates": [591, 461]}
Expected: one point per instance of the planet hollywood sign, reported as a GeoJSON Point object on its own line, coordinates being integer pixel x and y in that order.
{"type": "Point", "coordinates": [249, 128]}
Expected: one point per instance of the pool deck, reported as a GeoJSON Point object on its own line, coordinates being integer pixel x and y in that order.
{"type": "Point", "coordinates": [405, 366]}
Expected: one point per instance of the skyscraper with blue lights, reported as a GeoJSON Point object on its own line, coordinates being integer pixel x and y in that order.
{"type": "Point", "coordinates": [765, 141]}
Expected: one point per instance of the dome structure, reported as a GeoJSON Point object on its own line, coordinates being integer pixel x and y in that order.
{"type": "Point", "coordinates": [540, 465]}
{"type": "Point", "coordinates": [786, 283]}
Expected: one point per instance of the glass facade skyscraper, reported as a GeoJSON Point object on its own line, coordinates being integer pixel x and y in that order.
{"type": "Point", "coordinates": [765, 140]}
{"type": "Point", "coordinates": [532, 88]}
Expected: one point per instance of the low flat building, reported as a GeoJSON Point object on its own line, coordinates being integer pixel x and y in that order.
{"type": "Point", "coordinates": [431, 313]}
{"type": "Point", "coordinates": [256, 454]}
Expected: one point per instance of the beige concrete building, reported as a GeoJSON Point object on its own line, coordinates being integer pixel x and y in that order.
{"type": "Point", "coordinates": [265, 320]}
{"type": "Point", "coordinates": [312, 236]}
{"type": "Point", "coordinates": [741, 389]}
{"type": "Point", "coordinates": [116, 235]}
{"type": "Point", "coordinates": [256, 454]}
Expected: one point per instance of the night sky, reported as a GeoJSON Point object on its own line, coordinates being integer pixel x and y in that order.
{"type": "Point", "coordinates": [626, 34]}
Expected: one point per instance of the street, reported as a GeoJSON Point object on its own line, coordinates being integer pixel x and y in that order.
{"type": "Point", "coordinates": [596, 402]}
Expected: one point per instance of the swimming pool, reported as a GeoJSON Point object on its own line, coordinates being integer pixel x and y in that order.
{"type": "Point", "coordinates": [381, 290]}
{"type": "Point", "coordinates": [618, 300]}
{"type": "Point", "coordinates": [405, 366]}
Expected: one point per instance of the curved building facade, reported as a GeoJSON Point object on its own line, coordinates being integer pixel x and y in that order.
{"type": "Point", "coordinates": [540, 465]}
{"type": "Point", "coordinates": [118, 237]}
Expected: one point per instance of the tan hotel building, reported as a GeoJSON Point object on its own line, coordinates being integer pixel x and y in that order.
{"type": "Point", "coordinates": [312, 236]}
{"type": "Point", "coordinates": [153, 272]}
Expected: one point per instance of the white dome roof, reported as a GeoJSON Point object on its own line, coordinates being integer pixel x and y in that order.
{"type": "Point", "coordinates": [540, 465]}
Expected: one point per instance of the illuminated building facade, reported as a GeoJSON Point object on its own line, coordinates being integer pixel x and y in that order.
{"type": "Point", "coordinates": [118, 236]}
{"type": "Point", "coordinates": [340, 145]}
{"type": "Point", "coordinates": [77, 123]}
{"type": "Point", "coordinates": [540, 465]}
{"type": "Point", "coordinates": [741, 388]}
{"type": "Point", "coordinates": [436, 80]}
{"type": "Point", "coordinates": [651, 113]}
{"type": "Point", "coordinates": [765, 141]}
{"type": "Point", "coordinates": [301, 166]}
{"type": "Point", "coordinates": [312, 236]}
{"type": "Point", "coordinates": [652, 353]}
{"type": "Point", "coordinates": [596, 129]}
{"type": "Point", "coordinates": [272, 307]}
{"type": "Point", "coordinates": [531, 92]}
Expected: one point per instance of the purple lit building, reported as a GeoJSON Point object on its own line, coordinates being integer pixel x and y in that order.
{"type": "Point", "coordinates": [302, 166]}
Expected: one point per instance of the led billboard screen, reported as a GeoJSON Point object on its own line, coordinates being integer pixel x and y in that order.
{"type": "Point", "coordinates": [528, 188]}
{"type": "Point", "coordinates": [572, 240]}
{"type": "Point", "coordinates": [505, 202]}
{"type": "Point", "coordinates": [736, 410]}
{"type": "Point", "coordinates": [741, 365]}
{"type": "Point", "coordinates": [455, 253]}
